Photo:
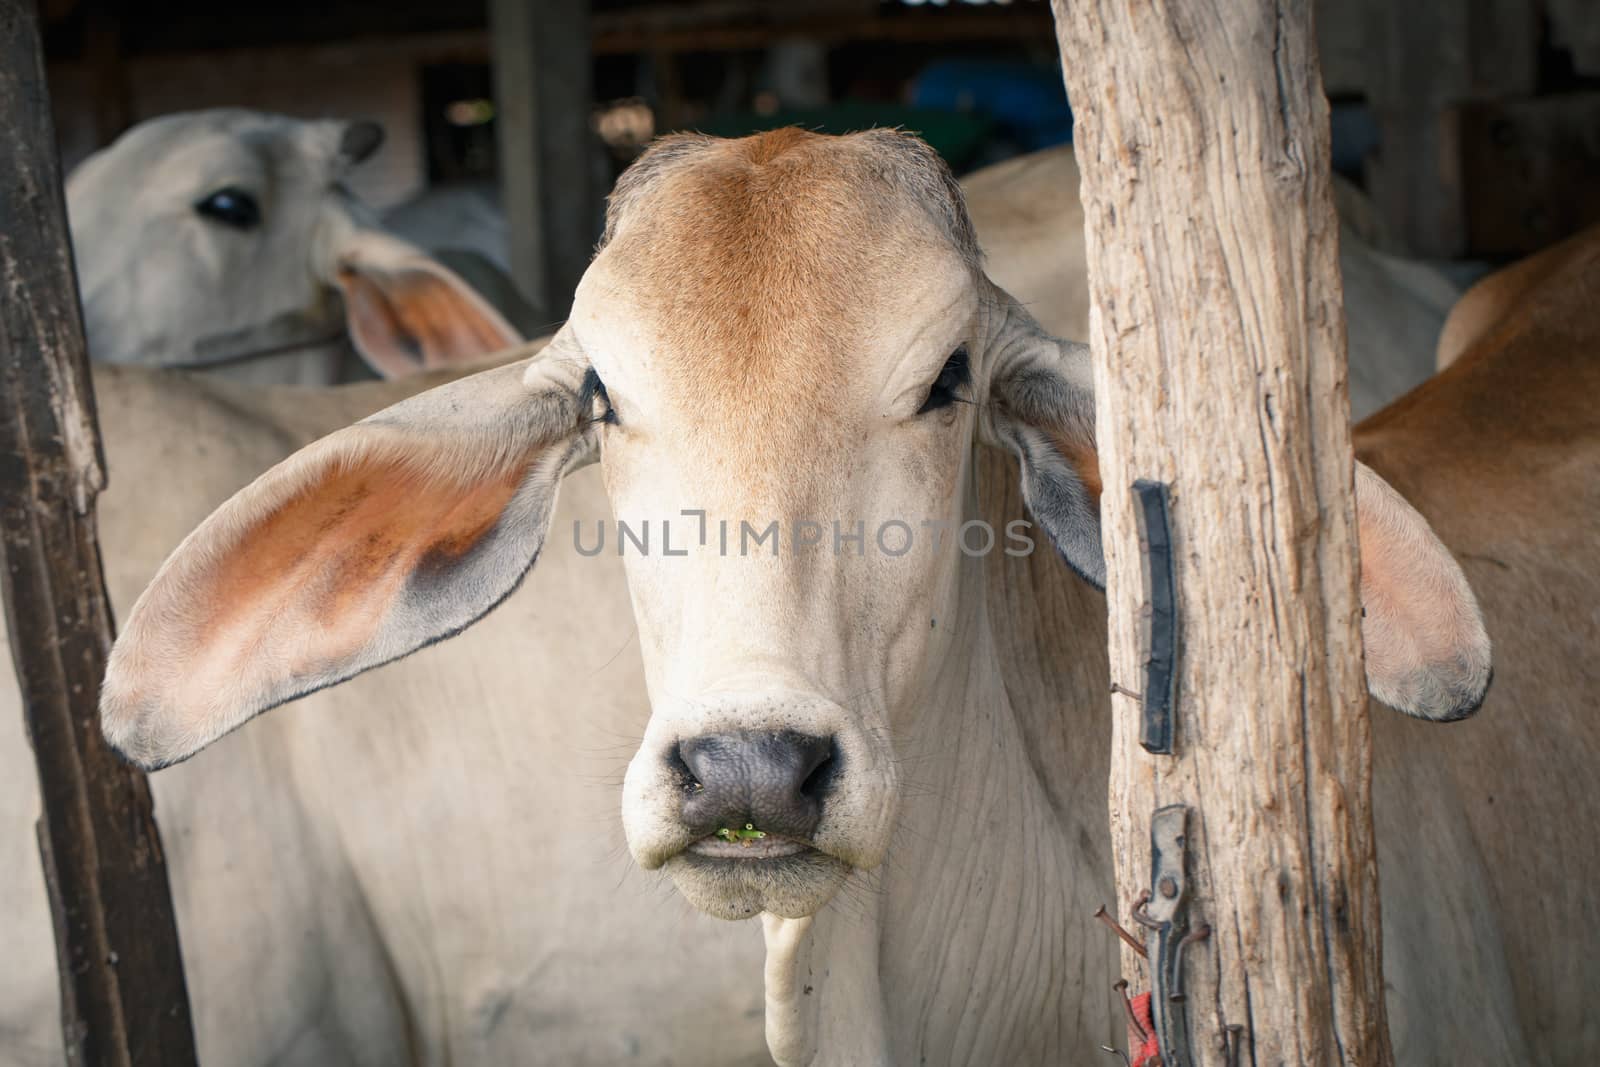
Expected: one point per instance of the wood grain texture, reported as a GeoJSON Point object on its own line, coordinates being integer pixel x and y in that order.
{"type": "Point", "coordinates": [123, 998]}
{"type": "Point", "coordinates": [1218, 338]}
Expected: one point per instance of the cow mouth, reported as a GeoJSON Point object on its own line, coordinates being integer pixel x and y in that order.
{"type": "Point", "coordinates": [738, 880]}
{"type": "Point", "coordinates": [767, 847]}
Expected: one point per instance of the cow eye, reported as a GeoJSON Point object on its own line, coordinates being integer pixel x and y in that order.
{"type": "Point", "coordinates": [952, 381]}
{"type": "Point", "coordinates": [593, 395]}
{"type": "Point", "coordinates": [231, 206]}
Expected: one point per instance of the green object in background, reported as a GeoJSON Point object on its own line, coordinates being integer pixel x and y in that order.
{"type": "Point", "coordinates": [956, 137]}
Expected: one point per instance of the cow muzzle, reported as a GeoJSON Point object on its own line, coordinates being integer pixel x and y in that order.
{"type": "Point", "coordinates": [759, 802]}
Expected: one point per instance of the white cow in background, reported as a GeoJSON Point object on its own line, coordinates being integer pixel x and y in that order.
{"type": "Point", "coordinates": [224, 241]}
{"type": "Point", "coordinates": [1030, 223]}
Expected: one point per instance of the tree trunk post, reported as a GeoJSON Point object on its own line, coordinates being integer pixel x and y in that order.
{"type": "Point", "coordinates": [1218, 340]}
{"type": "Point", "coordinates": [123, 998]}
{"type": "Point", "coordinates": [544, 97]}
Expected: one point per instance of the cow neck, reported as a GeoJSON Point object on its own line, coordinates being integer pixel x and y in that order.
{"type": "Point", "coordinates": [972, 943]}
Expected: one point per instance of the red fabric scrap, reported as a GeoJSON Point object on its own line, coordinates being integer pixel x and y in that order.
{"type": "Point", "coordinates": [1145, 1044]}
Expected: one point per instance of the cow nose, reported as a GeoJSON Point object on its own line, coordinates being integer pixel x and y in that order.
{"type": "Point", "coordinates": [773, 781]}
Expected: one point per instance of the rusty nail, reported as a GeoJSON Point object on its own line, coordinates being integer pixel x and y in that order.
{"type": "Point", "coordinates": [1121, 986]}
{"type": "Point", "coordinates": [1117, 1052]}
{"type": "Point", "coordinates": [1118, 929]}
{"type": "Point", "coordinates": [1199, 933]}
{"type": "Point", "coordinates": [1168, 886]}
{"type": "Point", "coordinates": [1141, 916]}
{"type": "Point", "coordinates": [1125, 691]}
{"type": "Point", "coordinates": [1232, 1042]}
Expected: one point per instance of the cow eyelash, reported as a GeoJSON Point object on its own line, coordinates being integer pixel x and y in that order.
{"type": "Point", "coordinates": [594, 390]}
{"type": "Point", "coordinates": [955, 376]}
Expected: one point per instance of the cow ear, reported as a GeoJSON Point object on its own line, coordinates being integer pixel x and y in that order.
{"type": "Point", "coordinates": [1042, 408]}
{"type": "Point", "coordinates": [384, 537]}
{"type": "Point", "coordinates": [407, 312]}
{"type": "Point", "coordinates": [1427, 651]}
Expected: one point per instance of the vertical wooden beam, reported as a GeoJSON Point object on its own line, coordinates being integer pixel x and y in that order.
{"type": "Point", "coordinates": [1218, 344]}
{"type": "Point", "coordinates": [543, 99]}
{"type": "Point", "coordinates": [123, 999]}
{"type": "Point", "coordinates": [109, 86]}
{"type": "Point", "coordinates": [1427, 58]}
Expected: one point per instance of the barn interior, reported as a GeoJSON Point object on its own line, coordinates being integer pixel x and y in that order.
{"type": "Point", "coordinates": [1473, 129]}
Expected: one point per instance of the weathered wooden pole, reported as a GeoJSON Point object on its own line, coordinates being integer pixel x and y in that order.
{"type": "Point", "coordinates": [1219, 352]}
{"type": "Point", "coordinates": [544, 98]}
{"type": "Point", "coordinates": [123, 999]}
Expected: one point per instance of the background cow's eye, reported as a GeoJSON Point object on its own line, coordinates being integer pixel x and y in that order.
{"type": "Point", "coordinates": [594, 395]}
{"type": "Point", "coordinates": [949, 387]}
{"type": "Point", "coordinates": [232, 206]}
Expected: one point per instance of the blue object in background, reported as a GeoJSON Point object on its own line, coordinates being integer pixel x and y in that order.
{"type": "Point", "coordinates": [1027, 102]}
{"type": "Point", "coordinates": [1354, 136]}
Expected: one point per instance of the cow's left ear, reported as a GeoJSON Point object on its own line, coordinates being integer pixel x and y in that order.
{"type": "Point", "coordinates": [407, 312]}
{"type": "Point", "coordinates": [1041, 406]}
{"type": "Point", "coordinates": [1427, 651]}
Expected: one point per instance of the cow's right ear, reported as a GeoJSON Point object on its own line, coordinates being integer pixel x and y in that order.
{"type": "Point", "coordinates": [397, 532]}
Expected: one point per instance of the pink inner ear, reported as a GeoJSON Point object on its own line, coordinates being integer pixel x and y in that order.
{"type": "Point", "coordinates": [1427, 653]}
{"type": "Point", "coordinates": [333, 560]}
{"type": "Point", "coordinates": [413, 318]}
{"type": "Point", "coordinates": [1082, 458]}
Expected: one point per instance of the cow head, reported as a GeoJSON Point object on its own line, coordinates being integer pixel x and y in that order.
{"type": "Point", "coordinates": [225, 239]}
{"type": "Point", "coordinates": [781, 356]}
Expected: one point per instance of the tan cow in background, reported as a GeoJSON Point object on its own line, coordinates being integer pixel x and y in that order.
{"type": "Point", "coordinates": [915, 734]}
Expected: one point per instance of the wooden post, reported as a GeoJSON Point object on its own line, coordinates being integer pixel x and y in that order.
{"type": "Point", "coordinates": [1424, 60]}
{"type": "Point", "coordinates": [543, 99]}
{"type": "Point", "coordinates": [123, 999]}
{"type": "Point", "coordinates": [1218, 340]}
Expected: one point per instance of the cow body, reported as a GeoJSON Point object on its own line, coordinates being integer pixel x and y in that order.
{"type": "Point", "coordinates": [1500, 452]}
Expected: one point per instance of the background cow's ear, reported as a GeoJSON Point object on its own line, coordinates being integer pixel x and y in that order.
{"type": "Point", "coordinates": [1427, 650]}
{"type": "Point", "coordinates": [1041, 406]}
{"type": "Point", "coordinates": [399, 531]}
{"type": "Point", "coordinates": [407, 312]}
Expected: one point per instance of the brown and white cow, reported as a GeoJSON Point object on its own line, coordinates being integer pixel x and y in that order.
{"type": "Point", "coordinates": [788, 327]}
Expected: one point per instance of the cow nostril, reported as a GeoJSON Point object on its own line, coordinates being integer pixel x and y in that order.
{"type": "Point", "coordinates": [820, 780]}
{"type": "Point", "coordinates": [680, 767]}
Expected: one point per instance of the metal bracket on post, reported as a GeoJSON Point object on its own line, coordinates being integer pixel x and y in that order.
{"type": "Point", "coordinates": [1164, 913]}
{"type": "Point", "coordinates": [1158, 617]}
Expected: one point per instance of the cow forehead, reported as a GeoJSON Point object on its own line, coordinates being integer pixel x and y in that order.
{"type": "Point", "coordinates": [774, 266]}
{"type": "Point", "coordinates": [178, 156]}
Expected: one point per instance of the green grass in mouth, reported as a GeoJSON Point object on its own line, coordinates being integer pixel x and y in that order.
{"type": "Point", "coordinates": [743, 837]}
